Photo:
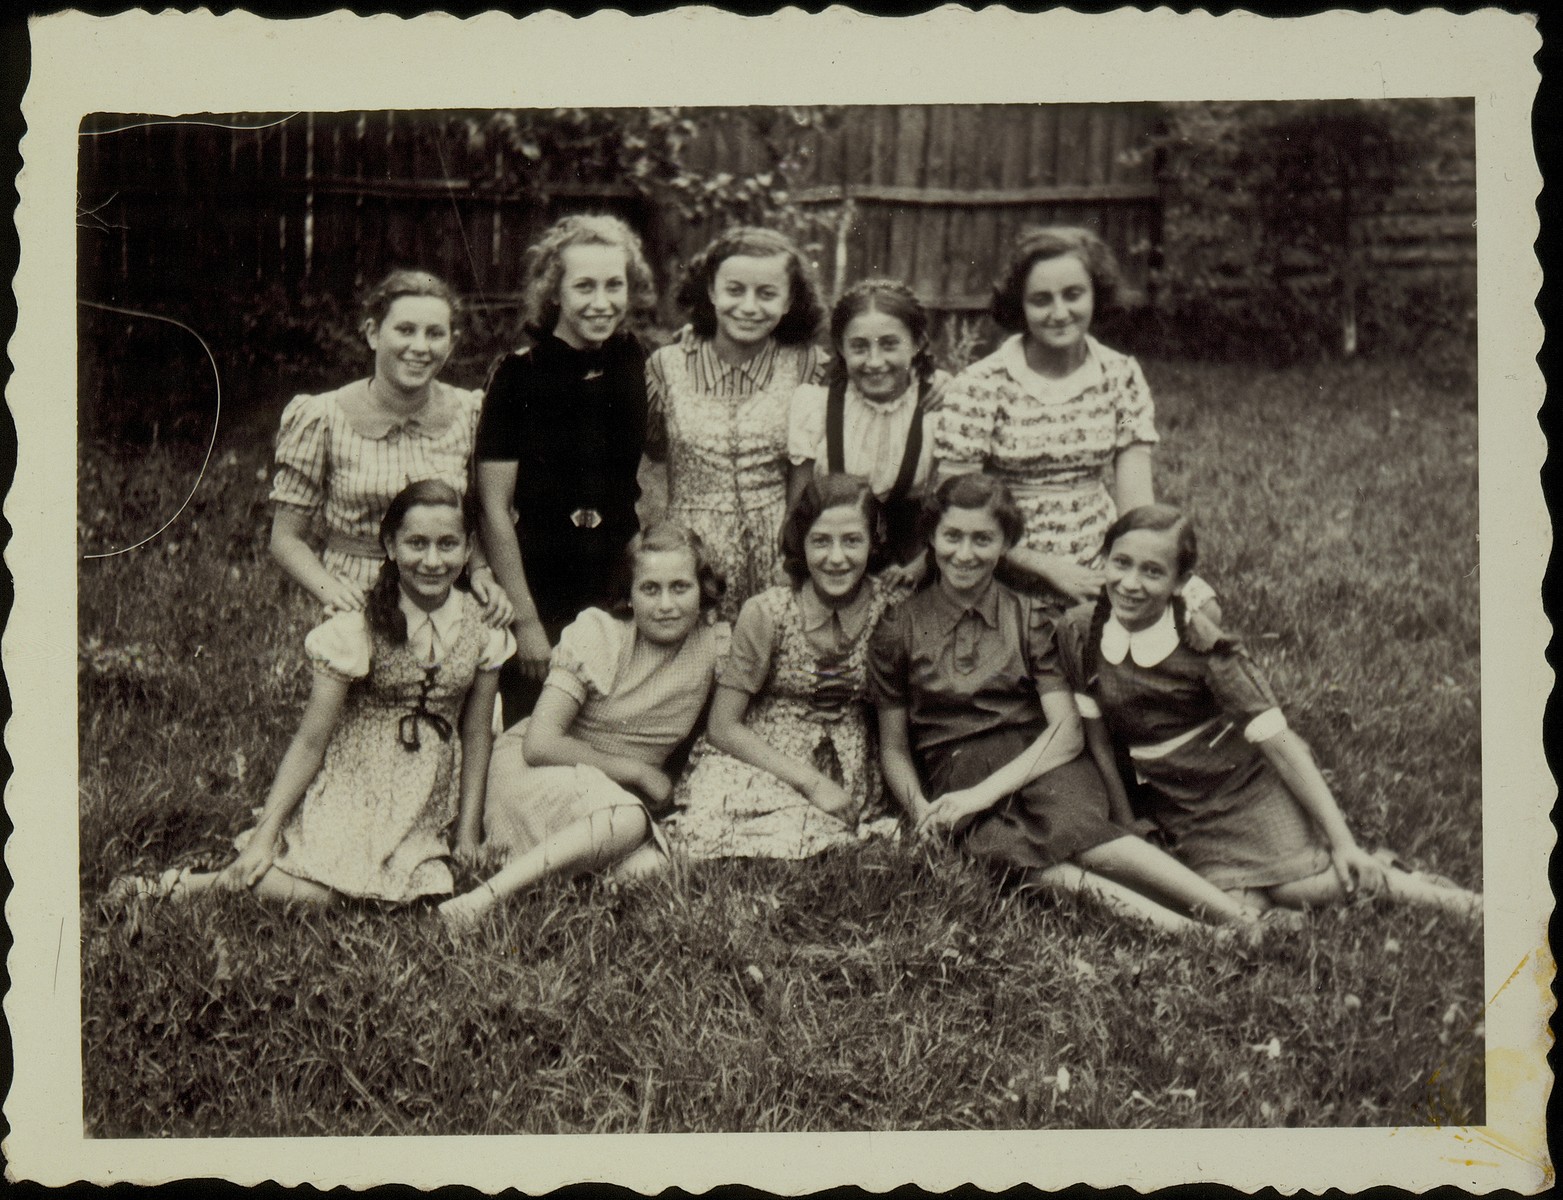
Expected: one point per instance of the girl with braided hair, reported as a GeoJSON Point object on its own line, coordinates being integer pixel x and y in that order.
{"type": "Point", "coordinates": [1235, 792]}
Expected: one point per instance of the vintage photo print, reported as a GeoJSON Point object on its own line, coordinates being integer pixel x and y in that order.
{"type": "Point", "coordinates": [927, 600]}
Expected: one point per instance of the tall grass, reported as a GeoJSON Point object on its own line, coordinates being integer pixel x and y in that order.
{"type": "Point", "coordinates": [892, 988]}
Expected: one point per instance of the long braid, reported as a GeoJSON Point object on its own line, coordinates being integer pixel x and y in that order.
{"type": "Point", "coordinates": [1093, 641]}
{"type": "Point", "coordinates": [381, 609]}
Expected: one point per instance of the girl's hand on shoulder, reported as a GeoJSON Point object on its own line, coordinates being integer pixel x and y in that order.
{"type": "Point", "coordinates": [1077, 582]}
{"type": "Point", "coordinates": [830, 797]}
{"type": "Point", "coordinates": [339, 596]}
{"type": "Point", "coordinates": [901, 580]}
{"type": "Point", "coordinates": [498, 612]}
{"type": "Point", "coordinates": [252, 864]}
{"type": "Point", "coordinates": [1357, 870]}
{"type": "Point", "coordinates": [532, 648]}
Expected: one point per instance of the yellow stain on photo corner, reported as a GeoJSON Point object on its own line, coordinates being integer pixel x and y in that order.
{"type": "Point", "coordinates": [1516, 1076]}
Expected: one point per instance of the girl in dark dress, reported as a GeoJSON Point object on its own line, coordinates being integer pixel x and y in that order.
{"type": "Point", "coordinates": [560, 438]}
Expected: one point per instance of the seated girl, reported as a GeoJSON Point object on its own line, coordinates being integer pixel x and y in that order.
{"type": "Point", "coordinates": [570, 787]}
{"type": "Point", "coordinates": [396, 732]}
{"type": "Point", "coordinates": [1234, 790]}
{"type": "Point", "coordinates": [974, 713]}
{"type": "Point", "coordinates": [793, 772]}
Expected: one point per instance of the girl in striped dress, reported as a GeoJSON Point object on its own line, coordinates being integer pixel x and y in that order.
{"type": "Point", "coordinates": [718, 396]}
{"type": "Point", "coordinates": [342, 455]}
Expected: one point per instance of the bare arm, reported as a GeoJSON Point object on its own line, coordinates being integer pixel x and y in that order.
{"type": "Point", "coordinates": [798, 476]}
{"type": "Point", "coordinates": [1133, 485]}
{"type": "Point", "coordinates": [1294, 763]}
{"type": "Point", "coordinates": [496, 486]}
{"type": "Point", "coordinates": [477, 743]}
{"type": "Point", "coordinates": [299, 766]}
{"type": "Point", "coordinates": [729, 734]}
{"type": "Point", "coordinates": [549, 744]}
{"type": "Point", "coordinates": [895, 760]}
{"type": "Point", "coordinates": [1059, 743]}
{"type": "Point", "coordinates": [303, 565]}
{"type": "Point", "coordinates": [1100, 744]}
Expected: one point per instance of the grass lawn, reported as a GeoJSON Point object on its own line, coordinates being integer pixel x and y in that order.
{"type": "Point", "coordinates": [891, 988]}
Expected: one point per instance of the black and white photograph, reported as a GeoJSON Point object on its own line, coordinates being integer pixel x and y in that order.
{"type": "Point", "coordinates": [896, 616]}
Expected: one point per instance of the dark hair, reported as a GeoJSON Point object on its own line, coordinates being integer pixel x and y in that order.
{"type": "Point", "coordinates": [973, 490]}
{"type": "Point", "coordinates": [1158, 518]}
{"type": "Point", "coordinates": [1037, 242]}
{"type": "Point", "coordinates": [660, 538]}
{"type": "Point", "coordinates": [821, 494]}
{"type": "Point", "coordinates": [377, 301]}
{"type": "Point", "coordinates": [381, 609]}
{"type": "Point", "coordinates": [545, 266]}
{"type": "Point", "coordinates": [894, 299]}
{"type": "Point", "coordinates": [802, 319]}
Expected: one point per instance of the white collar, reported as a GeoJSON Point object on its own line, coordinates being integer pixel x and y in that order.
{"type": "Point", "coordinates": [1148, 646]}
{"type": "Point", "coordinates": [1012, 356]}
{"type": "Point", "coordinates": [443, 620]}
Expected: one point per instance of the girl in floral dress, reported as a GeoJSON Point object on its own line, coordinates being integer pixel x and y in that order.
{"type": "Point", "coordinates": [342, 455]}
{"type": "Point", "coordinates": [718, 396]}
{"type": "Point", "coordinates": [792, 771]}
{"type": "Point", "coordinates": [1064, 422]}
{"type": "Point", "coordinates": [1236, 793]}
{"type": "Point", "coordinates": [572, 787]}
{"type": "Point", "coordinates": [394, 744]}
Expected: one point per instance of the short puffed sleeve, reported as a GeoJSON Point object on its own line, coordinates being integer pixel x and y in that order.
{"type": "Point", "coordinates": [586, 660]}
{"type": "Point", "coordinates": [1132, 400]}
{"type": "Point", "coordinates": [806, 425]}
{"type": "Point", "coordinates": [1242, 690]}
{"type": "Point", "coordinates": [751, 648]}
{"type": "Point", "coordinates": [340, 647]}
{"type": "Point", "coordinates": [963, 423]}
{"type": "Point", "coordinates": [500, 646]}
{"type": "Point", "coordinates": [888, 658]}
{"type": "Point", "coordinates": [1042, 647]}
{"type": "Point", "coordinates": [302, 454]}
{"type": "Point", "coordinates": [1070, 633]}
{"type": "Point", "coordinates": [656, 443]}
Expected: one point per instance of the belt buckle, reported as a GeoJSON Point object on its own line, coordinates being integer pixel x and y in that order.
{"type": "Point", "coordinates": [586, 518]}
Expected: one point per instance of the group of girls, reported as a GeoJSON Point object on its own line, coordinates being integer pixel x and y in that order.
{"type": "Point", "coordinates": [866, 597]}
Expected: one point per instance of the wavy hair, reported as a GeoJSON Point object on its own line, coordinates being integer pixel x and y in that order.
{"type": "Point", "coordinates": [821, 494]}
{"type": "Point", "coordinates": [973, 490]}
{"type": "Point", "coordinates": [1035, 243]}
{"type": "Point", "coordinates": [405, 281]}
{"type": "Point", "coordinates": [545, 267]}
{"type": "Point", "coordinates": [662, 537]}
{"type": "Point", "coordinates": [805, 312]}
{"type": "Point", "coordinates": [382, 609]}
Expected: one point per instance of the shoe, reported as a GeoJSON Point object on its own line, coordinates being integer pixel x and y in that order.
{"type": "Point", "coordinates": [128, 889]}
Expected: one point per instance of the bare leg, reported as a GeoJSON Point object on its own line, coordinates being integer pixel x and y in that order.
{"type": "Point", "coordinates": [1068, 879]}
{"type": "Point", "coordinates": [1140, 865]}
{"type": "Point", "coordinates": [177, 886]}
{"type": "Point", "coordinates": [1324, 889]}
{"type": "Point", "coordinates": [589, 844]}
{"type": "Point", "coordinates": [641, 864]}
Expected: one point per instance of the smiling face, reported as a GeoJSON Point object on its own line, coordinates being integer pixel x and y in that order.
{"type": "Point", "coordinates": [665, 595]}
{"type": "Point", "coordinates": [412, 342]}
{"type": "Point", "coordinates": [835, 551]}
{"type": "Point", "coordinates": [750, 295]}
{"type": "Point", "coordinates": [1059, 301]}
{"type": "Point", "coordinates": [877, 351]}
{"type": "Point", "coordinates": [967, 545]}
{"type": "Point", "coordinates": [1142, 576]}
{"type": "Point", "coordinates": [593, 294]}
{"type": "Point", "coordinates": [429, 549]}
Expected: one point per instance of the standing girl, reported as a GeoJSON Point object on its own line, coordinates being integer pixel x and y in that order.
{"type": "Point", "coordinates": [570, 787]}
{"type": "Point", "coordinates": [560, 437]}
{"type": "Point", "coordinates": [1235, 790]}
{"type": "Point", "coordinates": [973, 712]}
{"type": "Point", "coordinates": [1064, 422]}
{"type": "Point", "coordinates": [341, 456]}
{"type": "Point", "coordinates": [793, 768]}
{"type": "Point", "coordinates": [871, 418]}
{"type": "Point", "coordinates": [395, 740]}
{"type": "Point", "coordinates": [718, 400]}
